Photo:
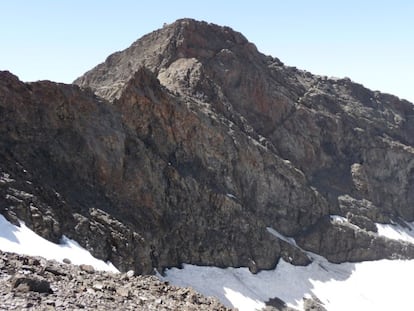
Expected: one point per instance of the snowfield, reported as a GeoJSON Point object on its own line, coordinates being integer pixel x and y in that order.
{"type": "Point", "coordinates": [22, 240]}
{"type": "Point", "coordinates": [375, 285]}
{"type": "Point", "coordinates": [371, 285]}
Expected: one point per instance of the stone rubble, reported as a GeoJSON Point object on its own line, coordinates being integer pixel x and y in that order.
{"type": "Point", "coordinates": [34, 283]}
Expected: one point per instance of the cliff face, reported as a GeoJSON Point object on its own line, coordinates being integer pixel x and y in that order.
{"type": "Point", "coordinates": [196, 143]}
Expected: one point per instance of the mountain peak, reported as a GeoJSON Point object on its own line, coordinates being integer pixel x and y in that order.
{"type": "Point", "coordinates": [187, 27]}
{"type": "Point", "coordinates": [199, 100]}
{"type": "Point", "coordinates": [185, 38]}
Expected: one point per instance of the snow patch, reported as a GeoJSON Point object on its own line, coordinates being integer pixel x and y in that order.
{"type": "Point", "coordinates": [340, 287]}
{"type": "Point", "coordinates": [231, 196]}
{"type": "Point", "coordinates": [282, 237]}
{"type": "Point", "coordinates": [397, 232]}
{"type": "Point", "coordinates": [5, 178]}
{"type": "Point", "coordinates": [338, 219]}
{"type": "Point", "coordinates": [343, 221]}
{"type": "Point", "coordinates": [22, 240]}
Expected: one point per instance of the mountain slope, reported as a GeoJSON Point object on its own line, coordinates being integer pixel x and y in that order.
{"type": "Point", "coordinates": [194, 145]}
{"type": "Point", "coordinates": [354, 146]}
{"type": "Point", "coordinates": [332, 130]}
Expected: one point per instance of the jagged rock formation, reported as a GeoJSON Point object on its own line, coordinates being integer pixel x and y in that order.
{"type": "Point", "coordinates": [36, 284]}
{"type": "Point", "coordinates": [194, 144]}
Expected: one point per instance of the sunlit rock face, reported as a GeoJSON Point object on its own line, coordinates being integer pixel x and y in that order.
{"type": "Point", "coordinates": [186, 146]}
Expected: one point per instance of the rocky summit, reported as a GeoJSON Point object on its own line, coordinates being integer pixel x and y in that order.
{"type": "Point", "coordinates": [188, 145]}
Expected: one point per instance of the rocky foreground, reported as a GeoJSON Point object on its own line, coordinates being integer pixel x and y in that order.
{"type": "Point", "coordinates": [38, 284]}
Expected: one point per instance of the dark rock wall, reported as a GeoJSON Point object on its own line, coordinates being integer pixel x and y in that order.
{"type": "Point", "coordinates": [197, 143]}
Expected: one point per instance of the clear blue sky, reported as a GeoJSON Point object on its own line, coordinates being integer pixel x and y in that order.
{"type": "Point", "coordinates": [372, 42]}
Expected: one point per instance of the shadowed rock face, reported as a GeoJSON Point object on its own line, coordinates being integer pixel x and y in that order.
{"type": "Point", "coordinates": [194, 144]}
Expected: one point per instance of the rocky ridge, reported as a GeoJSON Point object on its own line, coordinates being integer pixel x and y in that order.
{"type": "Point", "coordinates": [186, 146]}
